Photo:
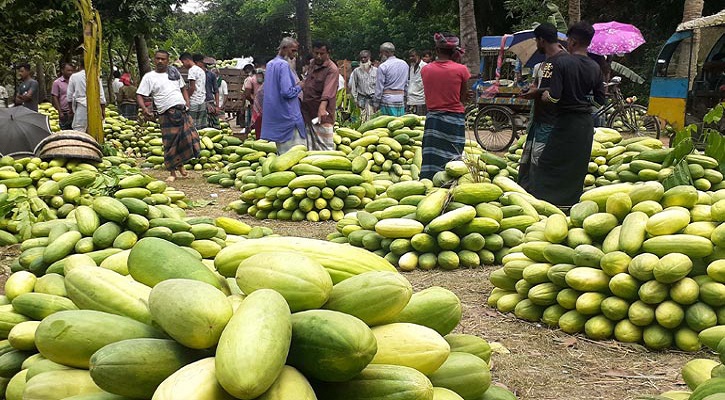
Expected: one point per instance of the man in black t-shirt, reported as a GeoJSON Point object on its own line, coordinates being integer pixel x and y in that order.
{"type": "Point", "coordinates": [574, 81]}
{"type": "Point", "coordinates": [542, 123]}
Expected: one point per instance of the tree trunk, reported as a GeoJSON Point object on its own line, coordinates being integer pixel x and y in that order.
{"type": "Point", "coordinates": [142, 55]}
{"type": "Point", "coordinates": [40, 77]}
{"type": "Point", "coordinates": [109, 81]}
{"type": "Point", "coordinates": [692, 10]}
{"type": "Point", "coordinates": [469, 36]}
{"type": "Point", "coordinates": [575, 14]}
{"type": "Point", "coordinates": [303, 26]}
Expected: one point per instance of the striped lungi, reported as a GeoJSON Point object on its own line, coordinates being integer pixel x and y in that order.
{"type": "Point", "coordinates": [180, 138]}
{"type": "Point", "coordinates": [199, 115]}
{"type": "Point", "coordinates": [443, 140]}
{"type": "Point", "coordinates": [395, 109]}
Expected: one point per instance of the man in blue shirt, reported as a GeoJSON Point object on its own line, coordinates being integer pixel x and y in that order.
{"type": "Point", "coordinates": [282, 119]}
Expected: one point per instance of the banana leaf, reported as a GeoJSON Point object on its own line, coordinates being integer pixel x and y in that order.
{"type": "Point", "coordinates": [627, 73]}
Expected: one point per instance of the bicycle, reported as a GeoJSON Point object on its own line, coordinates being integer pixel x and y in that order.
{"type": "Point", "coordinates": [499, 120]}
{"type": "Point", "coordinates": [625, 115]}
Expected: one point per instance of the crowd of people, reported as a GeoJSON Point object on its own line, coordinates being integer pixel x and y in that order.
{"type": "Point", "coordinates": [291, 109]}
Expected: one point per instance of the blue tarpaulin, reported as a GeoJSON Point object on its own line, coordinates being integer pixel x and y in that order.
{"type": "Point", "coordinates": [494, 42]}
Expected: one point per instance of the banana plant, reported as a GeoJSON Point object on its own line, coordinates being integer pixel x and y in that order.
{"type": "Point", "coordinates": [92, 49]}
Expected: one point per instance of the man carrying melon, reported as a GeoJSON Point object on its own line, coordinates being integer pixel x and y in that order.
{"type": "Point", "coordinates": [166, 87]}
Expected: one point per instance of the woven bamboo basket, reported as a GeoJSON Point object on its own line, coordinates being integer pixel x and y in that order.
{"type": "Point", "coordinates": [69, 144]}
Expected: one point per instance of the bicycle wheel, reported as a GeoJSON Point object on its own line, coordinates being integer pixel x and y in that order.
{"type": "Point", "coordinates": [634, 120]}
{"type": "Point", "coordinates": [494, 128]}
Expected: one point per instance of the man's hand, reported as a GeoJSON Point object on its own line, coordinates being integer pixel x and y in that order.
{"type": "Point", "coordinates": [147, 114]}
{"type": "Point", "coordinates": [528, 94]}
{"type": "Point", "coordinates": [546, 96]}
{"type": "Point", "coordinates": [322, 113]}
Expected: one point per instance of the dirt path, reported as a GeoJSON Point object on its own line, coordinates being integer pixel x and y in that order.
{"type": "Point", "coordinates": [540, 363]}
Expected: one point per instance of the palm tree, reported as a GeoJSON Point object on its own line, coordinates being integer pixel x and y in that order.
{"type": "Point", "coordinates": [469, 36]}
{"type": "Point", "coordinates": [692, 10]}
{"type": "Point", "coordinates": [575, 11]}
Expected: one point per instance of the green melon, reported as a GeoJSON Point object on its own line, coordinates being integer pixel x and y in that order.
{"type": "Point", "coordinates": [145, 362]}
{"type": "Point", "coordinates": [344, 342]}
{"type": "Point", "coordinates": [435, 307]}
{"type": "Point", "coordinates": [301, 280]}
{"type": "Point", "coordinates": [391, 292]}
{"type": "Point", "coordinates": [627, 332]}
{"type": "Point", "coordinates": [463, 373]}
{"type": "Point", "coordinates": [176, 308]}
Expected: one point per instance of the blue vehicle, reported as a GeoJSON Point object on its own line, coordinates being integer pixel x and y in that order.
{"type": "Point", "coordinates": [690, 80]}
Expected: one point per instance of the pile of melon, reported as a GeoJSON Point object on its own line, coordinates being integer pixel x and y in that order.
{"type": "Point", "coordinates": [268, 318]}
{"type": "Point", "coordinates": [637, 263]}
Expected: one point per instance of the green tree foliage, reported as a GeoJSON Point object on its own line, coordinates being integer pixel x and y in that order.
{"type": "Point", "coordinates": [234, 28]}
{"type": "Point", "coordinates": [36, 31]}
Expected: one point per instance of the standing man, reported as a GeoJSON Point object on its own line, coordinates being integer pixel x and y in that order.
{"type": "Point", "coordinates": [445, 83]}
{"type": "Point", "coordinates": [76, 98]}
{"type": "Point", "coordinates": [416, 95]}
{"type": "Point", "coordinates": [319, 98]}
{"type": "Point", "coordinates": [251, 86]}
{"type": "Point", "coordinates": [180, 138]}
{"type": "Point", "coordinates": [197, 89]}
{"type": "Point", "coordinates": [542, 123]}
{"type": "Point", "coordinates": [258, 103]}
{"type": "Point", "coordinates": [27, 93]}
{"type": "Point", "coordinates": [257, 107]}
{"type": "Point", "coordinates": [127, 98]}
{"type": "Point", "coordinates": [59, 93]}
{"type": "Point", "coordinates": [212, 94]}
{"type": "Point", "coordinates": [391, 82]}
{"type": "Point", "coordinates": [116, 85]}
{"type": "Point", "coordinates": [362, 86]}
{"type": "Point", "coordinates": [222, 88]}
{"type": "Point", "coordinates": [282, 121]}
{"type": "Point", "coordinates": [571, 84]}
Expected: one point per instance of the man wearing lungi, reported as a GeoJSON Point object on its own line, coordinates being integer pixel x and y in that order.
{"type": "Point", "coordinates": [445, 85]}
{"type": "Point", "coordinates": [391, 82]}
{"type": "Point", "coordinates": [576, 80]}
{"type": "Point", "coordinates": [166, 87]}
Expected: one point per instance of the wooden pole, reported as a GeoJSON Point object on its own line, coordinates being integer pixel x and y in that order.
{"type": "Point", "coordinates": [92, 57]}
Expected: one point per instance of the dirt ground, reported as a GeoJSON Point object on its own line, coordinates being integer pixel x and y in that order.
{"type": "Point", "coordinates": [536, 362]}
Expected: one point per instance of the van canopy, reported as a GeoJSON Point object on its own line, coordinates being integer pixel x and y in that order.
{"type": "Point", "coordinates": [704, 22]}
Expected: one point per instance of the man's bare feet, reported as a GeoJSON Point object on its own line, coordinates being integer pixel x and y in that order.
{"type": "Point", "coordinates": [183, 172]}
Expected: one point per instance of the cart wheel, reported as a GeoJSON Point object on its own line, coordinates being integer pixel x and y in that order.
{"type": "Point", "coordinates": [634, 120]}
{"type": "Point", "coordinates": [494, 128]}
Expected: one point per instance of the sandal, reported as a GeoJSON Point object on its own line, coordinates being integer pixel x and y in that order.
{"type": "Point", "coordinates": [170, 179]}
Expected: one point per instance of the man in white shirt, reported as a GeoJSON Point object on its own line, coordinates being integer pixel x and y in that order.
{"type": "Point", "coordinates": [416, 96]}
{"type": "Point", "coordinates": [362, 86]}
{"type": "Point", "coordinates": [76, 98]}
{"type": "Point", "coordinates": [197, 91]}
{"type": "Point", "coordinates": [166, 87]}
{"type": "Point", "coordinates": [116, 85]}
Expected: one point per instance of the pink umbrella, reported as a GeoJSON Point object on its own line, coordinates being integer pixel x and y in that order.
{"type": "Point", "coordinates": [615, 38]}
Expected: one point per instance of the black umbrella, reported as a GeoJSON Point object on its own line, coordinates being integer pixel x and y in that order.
{"type": "Point", "coordinates": [21, 129]}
